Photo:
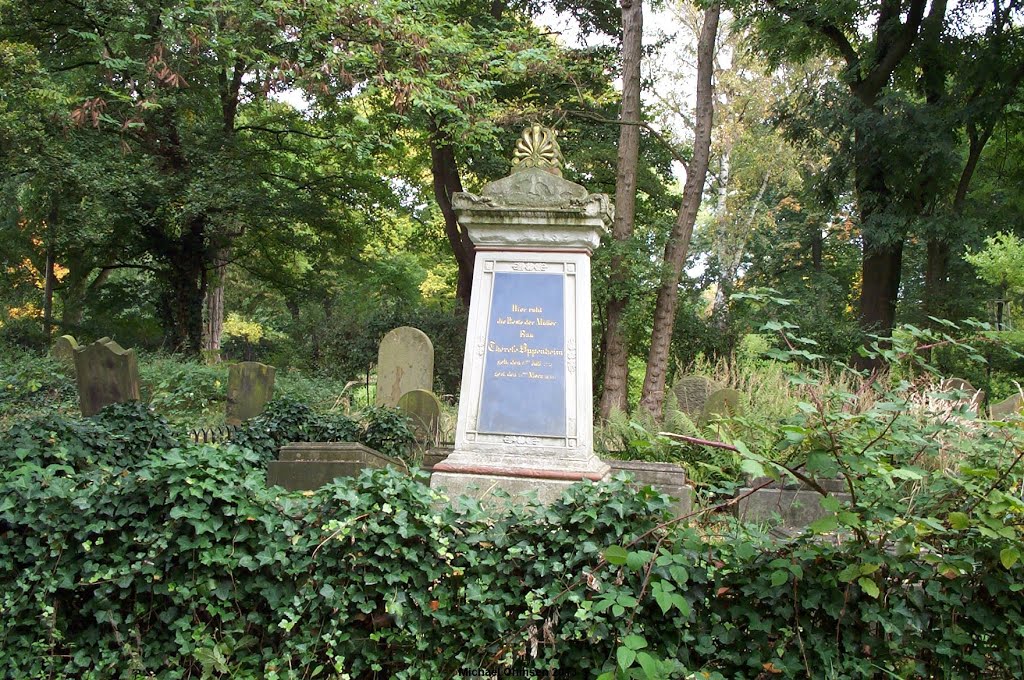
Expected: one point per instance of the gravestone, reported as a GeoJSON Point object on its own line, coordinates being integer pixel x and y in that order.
{"type": "Point", "coordinates": [788, 502]}
{"type": "Point", "coordinates": [424, 410]}
{"type": "Point", "coordinates": [722, 404]}
{"type": "Point", "coordinates": [250, 387]}
{"type": "Point", "coordinates": [526, 419]}
{"type": "Point", "coordinates": [668, 478]}
{"type": "Point", "coordinates": [106, 374]}
{"type": "Point", "coordinates": [405, 362]}
{"type": "Point", "coordinates": [305, 466]}
{"type": "Point", "coordinates": [692, 392]}
{"type": "Point", "coordinates": [1007, 408]}
{"type": "Point", "coordinates": [974, 397]}
{"type": "Point", "coordinates": [63, 349]}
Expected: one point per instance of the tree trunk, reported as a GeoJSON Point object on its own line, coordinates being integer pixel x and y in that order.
{"type": "Point", "coordinates": [214, 323]}
{"type": "Point", "coordinates": [679, 240]}
{"type": "Point", "coordinates": [881, 267]}
{"type": "Point", "coordinates": [445, 171]}
{"type": "Point", "coordinates": [936, 276]}
{"type": "Point", "coordinates": [186, 290]}
{"type": "Point", "coordinates": [615, 343]}
{"type": "Point", "coordinates": [48, 282]}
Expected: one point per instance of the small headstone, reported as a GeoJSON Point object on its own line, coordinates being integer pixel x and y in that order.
{"type": "Point", "coordinates": [722, 404]}
{"type": "Point", "coordinates": [692, 393]}
{"type": "Point", "coordinates": [1007, 408]}
{"type": "Point", "coordinates": [106, 374]}
{"type": "Point", "coordinates": [973, 397]}
{"type": "Point", "coordinates": [424, 409]}
{"type": "Point", "coordinates": [305, 466]}
{"type": "Point", "coordinates": [250, 387]}
{"type": "Point", "coordinates": [405, 362]}
{"type": "Point", "coordinates": [63, 349]}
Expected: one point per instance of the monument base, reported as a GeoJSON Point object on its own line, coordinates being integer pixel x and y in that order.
{"type": "Point", "coordinates": [482, 486]}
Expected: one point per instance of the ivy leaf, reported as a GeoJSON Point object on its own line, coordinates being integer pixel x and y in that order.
{"type": "Point", "coordinates": [625, 656]}
{"type": "Point", "coordinates": [616, 555]}
{"type": "Point", "coordinates": [868, 586]}
{"type": "Point", "coordinates": [959, 520]}
{"type": "Point", "coordinates": [1009, 557]}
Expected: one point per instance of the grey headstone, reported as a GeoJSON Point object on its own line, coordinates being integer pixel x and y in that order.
{"type": "Point", "coordinates": [424, 409]}
{"type": "Point", "coordinates": [1007, 408]}
{"type": "Point", "coordinates": [405, 362]}
{"type": "Point", "coordinates": [974, 397]}
{"type": "Point", "coordinates": [63, 349]}
{"type": "Point", "coordinates": [791, 502]}
{"type": "Point", "coordinates": [723, 403]}
{"type": "Point", "coordinates": [106, 374]}
{"type": "Point", "coordinates": [668, 478]}
{"type": "Point", "coordinates": [692, 392]}
{"type": "Point", "coordinates": [306, 466]}
{"type": "Point", "coordinates": [250, 387]}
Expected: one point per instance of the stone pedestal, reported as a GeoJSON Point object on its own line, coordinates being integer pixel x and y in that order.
{"type": "Point", "coordinates": [795, 505]}
{"type": "Point", "coordinates": [526, 408]}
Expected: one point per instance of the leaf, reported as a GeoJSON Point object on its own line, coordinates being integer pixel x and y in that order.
{"type": "Point", "coordinates": [825, 524]}
{"type": "Point", "coordinates": [616, 555]}
{"type": "Point", "coordinates": [868, 586]}
{"type": "Point", "coordinates": [625, 656]}
{"type": "Point", "coordinates": [959, 520]}
{"type": "Point", "coordinates": [1009, 557]}
{"type": "Point", "coordinates": [779, 577]}
{"type": "Point", "coordinates": [752, 468]}
{"type": "Point", "coordinates": [649, 664]}
{"type": "Point", "coordinates": [634, 642]}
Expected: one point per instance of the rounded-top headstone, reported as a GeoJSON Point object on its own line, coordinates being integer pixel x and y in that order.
{"type": "Point", "coordinates": [722, 404]}
{"type": "Point", "coordinates": [250, 387]}
{"type": "Point", "coordinates": [692, 393]}
{"type": "Point", "coordinates": [405, 362]}
{"type": "Point", "coordinates": [1008, 408]}
{"type": "Point", "coordinates": [424, 408]}
{"type": "Point", "coordinates": [64, 348]}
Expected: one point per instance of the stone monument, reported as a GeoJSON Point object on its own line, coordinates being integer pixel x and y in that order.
{"type": "Point", "coordinates": [106, 374]}
{"type": "Point", "coordinates": [250, 387]}
{"type": "Point", "coordinates": [526, 409]}
{"type": "Point", "coordinates": [424, 410]}
{"type": "Point", "coordinates": [63, 349]}
{"type": "Point", "coordinates": [405, 362]}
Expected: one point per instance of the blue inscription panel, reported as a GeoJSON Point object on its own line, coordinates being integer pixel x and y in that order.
{"type": "Point", "coordinates": [524, 365]}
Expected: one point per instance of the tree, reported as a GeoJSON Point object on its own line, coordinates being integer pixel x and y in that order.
{"type": "Point", "coordinates": [1001, 264]}
{"type": "Point", "coordinates": [615, 343]}
{"type": "Point", "coordinates": [915, 76]}
{"type": "Point", "coordinates": [679, 240]}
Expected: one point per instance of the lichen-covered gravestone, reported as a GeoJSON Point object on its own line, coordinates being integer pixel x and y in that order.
{"type": "Point", "coordinates": [424, 409]}
{"type": "Point", "coordinates": [250, 387]}
{"type": "Point", "coordinates": [692, 392]}
{"type": "Point", "coordinates": [1007, 408]}
{"type": "Point", "coordinates": [106, 374]}
{"type": "Point", "coordinates": [405, 362]}
{"type": "Point", "coordinates": [63, 349]}
{"type": "Point", "coordinates": [722, 404]}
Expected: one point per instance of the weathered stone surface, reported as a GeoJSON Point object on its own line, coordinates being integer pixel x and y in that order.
{"type": "Point", "coordinates": [424, 410]}
{"type": "Point", "coordinates": [306, 466]}
{"type": "Point", "coordinates": [106, 374]}
{"type": "Point", "coordinates": [692, 393]}
{"type": "Point", "coordinates": [722, 403]}
{"type": "Point", "coordinates": [793, 505]}
{"type": "Point", "coordinates": [250, 387]}
{"type": "Point", "coordinates": [63, 349]}
{"type": "Point", "coordinates": [668, 478]}
{"type": "Point", "coordinates": [434, 456]}
{"type": "Point", "coordinates": [405, 362]}
{"type": "Point", "coordinates": [489, 488]}
{"type": "Point", "coordinates": [973, 397]}
{"type": "Point", "coordinates": [1007, 408]}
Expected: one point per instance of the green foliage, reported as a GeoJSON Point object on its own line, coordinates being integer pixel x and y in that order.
{"type": "Point", "coordinates": [31, 382]}
{"type": "Point", "coordinates": [169, 560]}
{"type": "Point", "coordinates": [1001, 262]}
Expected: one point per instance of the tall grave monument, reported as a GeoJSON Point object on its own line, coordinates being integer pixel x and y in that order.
{"type": "Point", "coordinates": [526, 409]}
